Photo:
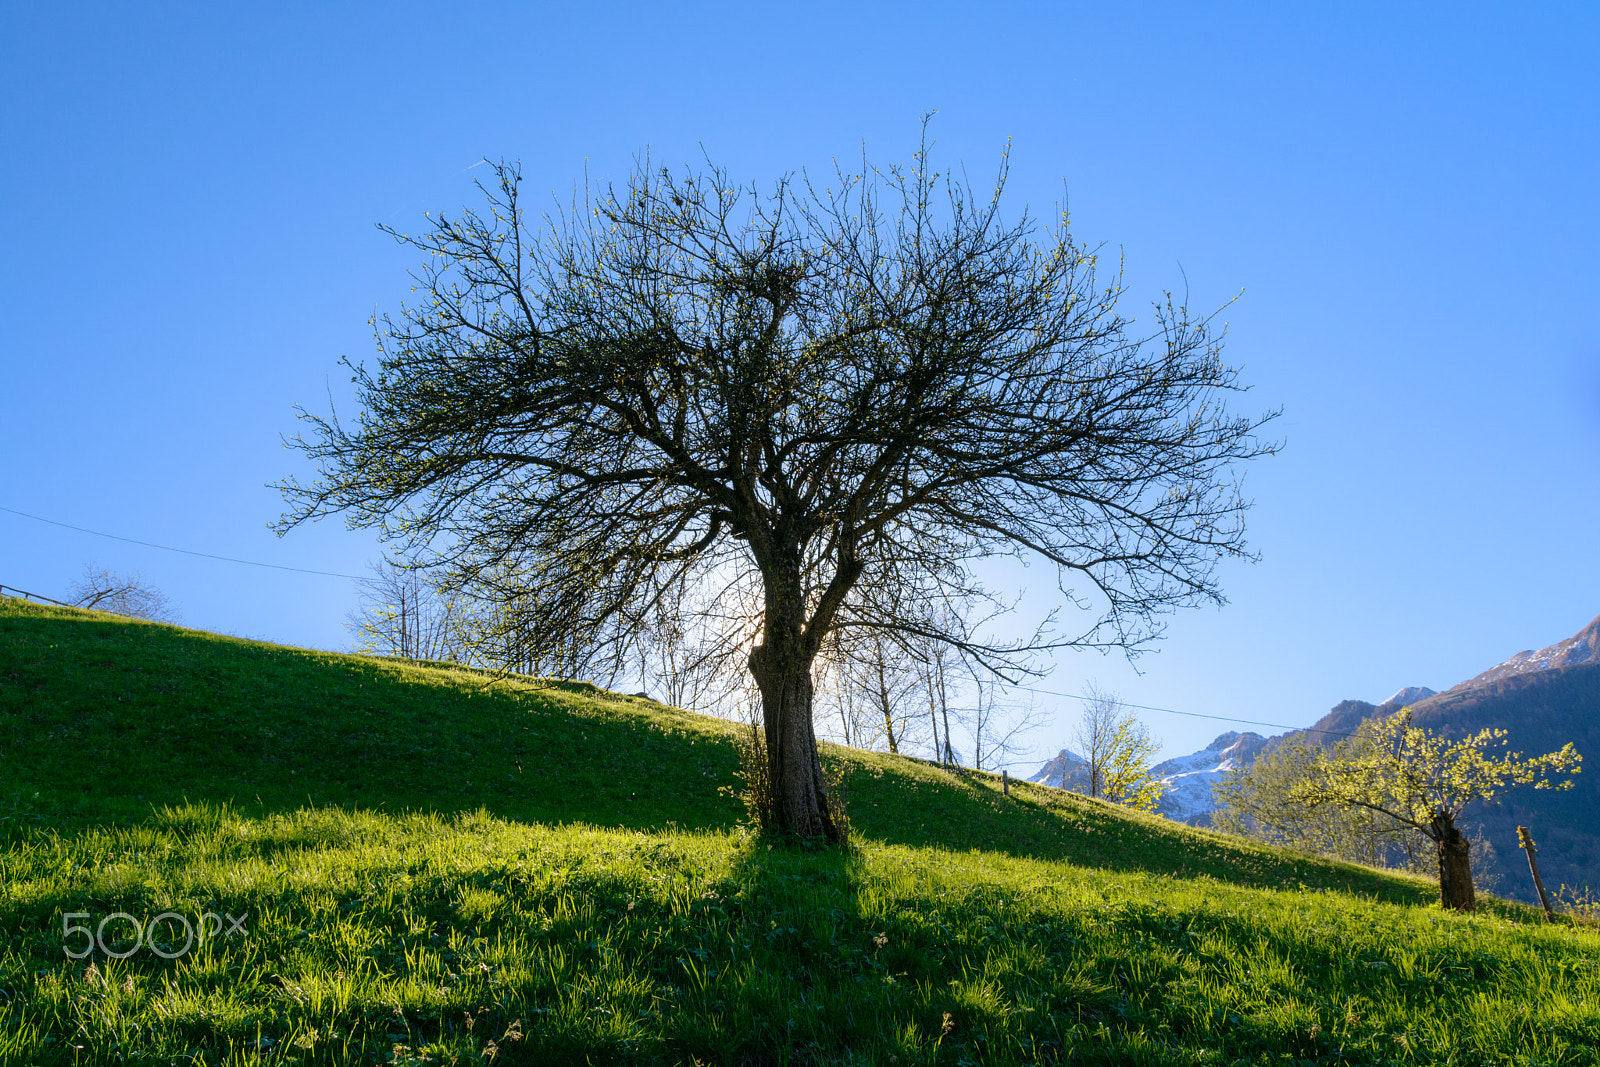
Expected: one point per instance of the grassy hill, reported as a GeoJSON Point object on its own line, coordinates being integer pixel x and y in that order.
{"type": "Point", "coordinates": [436, 868]}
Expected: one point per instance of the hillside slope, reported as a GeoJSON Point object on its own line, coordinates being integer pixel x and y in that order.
{"type": "Point", "coordinates": [1540, 710]}
{"type": "Point", "coordinates": [437, 869]}
{"type": "Point", "coordinates": [108, 718]}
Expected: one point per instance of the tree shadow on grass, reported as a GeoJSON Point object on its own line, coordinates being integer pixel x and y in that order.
{"type": "Point", "coordinates": [925, 805]}
{"type": "Point", "coordinates": [103, 719]}
{"type": "Point", "coordinates": [844, 953]}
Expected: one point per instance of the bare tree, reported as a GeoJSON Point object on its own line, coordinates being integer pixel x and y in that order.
{"type": "Point", "coordinates": [402, 613]}
{"type": "Point", "coordinates": [837, 392]}
{"type": "Point", "coordinates": [846, 718]}
{"type": "Point", "coordinates": [123, 594]}
{"type": "Point", "coordinates": [879, 678]}
{"type": "Point", "coordinates": [996, 726]}
{"type": "Point", "coordinates": [693, 653]}
{"type": "Point", "coordinates": [1094, 735]}
{"type": "Point", "coordinates": [1116, 749]}
{"type": "Point", "coordinates": [934, 673]}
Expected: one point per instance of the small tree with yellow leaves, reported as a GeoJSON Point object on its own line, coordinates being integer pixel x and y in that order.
{"type": "Point", "coordinates": [1414, 776]}
{"type": "Point", "coordinates": [1127, 778]}
{"type": "Point", "coordinates": [1117, 750]}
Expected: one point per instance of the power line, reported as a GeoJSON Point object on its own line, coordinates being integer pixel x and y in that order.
{"type": "Point", "coordinates": [183, 551]}
{"type": "Point", "coordinates": [1188, 714]}
{"type": "Point", "coordinates": [358, 578]}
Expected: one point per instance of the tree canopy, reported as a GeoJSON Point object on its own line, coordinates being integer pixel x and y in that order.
{"type": "Point", "coordinates": [1116, 751]}
{"type": "Point", "coordinates": [1257, 799]}
{"type": "Point", "coordinates": [835, 401]}
{"type": "Point", "coordinates": [124, 594]}
{"type": "Point", "coordinates": [1424, 780]}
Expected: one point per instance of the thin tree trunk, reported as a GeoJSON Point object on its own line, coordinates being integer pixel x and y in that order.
{"type": "Point", "coordinates": [1455, 865]}
{"type": "Point", "coordinates": [884, 706]}
{"type": "Point", "coordinates": [781, 667]}
{"type": "Point", "coordinates": [944, 711]}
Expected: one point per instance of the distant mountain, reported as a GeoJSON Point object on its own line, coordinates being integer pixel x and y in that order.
{"type": "Point", "coordinates": [1067, 770]}
{"type": "Point", "coordinates": [1409, 695]}
{"type": "Point", "coordinates": [1343, 719]}
{"type": "Point", "coordinates": [1190, 779]}
{"type": "Point", "coordinates": [1541, 699]}
{"type": "Point", "coordinates": [1575, 651]}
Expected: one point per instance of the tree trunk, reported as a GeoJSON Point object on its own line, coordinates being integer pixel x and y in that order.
{"type": "Point", "coordinates": [1455, 864]}
{"type": "Point", "coordinates": [944, 708]}
{"type": "Point", "coordinates": [781, 667]}
{"type": "Point", "coordinates": [887, 711]}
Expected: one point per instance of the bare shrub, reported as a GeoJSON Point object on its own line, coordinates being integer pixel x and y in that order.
{"type": "Point", "coordinates": [122, 594]}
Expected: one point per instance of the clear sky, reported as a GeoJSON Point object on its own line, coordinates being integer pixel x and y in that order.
{"type": "Point", "coordinates": [1405, 195]}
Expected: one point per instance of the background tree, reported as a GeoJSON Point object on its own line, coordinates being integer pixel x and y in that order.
{"type": "Point", "coordinates": [996, 727]}
{"type": "Point", "coordinates": [1116, 749]}
{"type": "Point", "coordinates": [935, 677]}
{"type": "Point", "coordinates": [1258, 800]}
{"type": "Point", "coordinates": [1424, 781]}
{"type": "Point", "coordinates": [834, 392]}
{"type": "Point", "coordinates": [899, 688]}
{"type": "Point", "coordinates": [402, 613]}
{"type": "Point", "coordinates": [124, 594]}
{"type": "Point", "coordinates": [880, 679]}
{"type": "Point", "coordinates": [692, 657]}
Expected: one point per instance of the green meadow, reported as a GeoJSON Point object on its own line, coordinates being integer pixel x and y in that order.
{"type": "Point", "coordinates": [424, 865]}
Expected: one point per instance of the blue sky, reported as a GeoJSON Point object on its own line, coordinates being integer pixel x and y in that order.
{"type": "Point", "coordinates": [1404, 195]}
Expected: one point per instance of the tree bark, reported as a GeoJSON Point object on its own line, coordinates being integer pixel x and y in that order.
{"type": "Point", "coordinates": [781, 667]}
{"type": "Point", "coordinates": [1455, 864]}
{"type": "Point", "coordinates": [886, 709]}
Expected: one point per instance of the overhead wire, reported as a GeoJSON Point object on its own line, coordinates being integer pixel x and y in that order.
{"type": "Point", "coordinates": [358, 578]}
{"type": "Point", "coordinates": [184, 551]}
{"type": "Point", "coordinates": [1187, 714]}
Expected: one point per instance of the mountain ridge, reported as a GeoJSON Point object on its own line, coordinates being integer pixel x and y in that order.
{"type": "Point", "coordinates": [1573, 651]}
{"type": "Point", "coordinates": [1542, 700]}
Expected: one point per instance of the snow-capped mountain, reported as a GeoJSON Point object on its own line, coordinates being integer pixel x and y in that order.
{"type": "Point", "coordinates": [1189, 779]}
{"type": "Point", "coordinates": [1409, 695]}
{"type": "Point", "coordinates": [1067, 770]}
{"type": "Point", "coordinates": [1581, 647]}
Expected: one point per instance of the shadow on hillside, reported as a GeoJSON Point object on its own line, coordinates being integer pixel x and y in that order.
{"type": "Point", "coordinates": [828, 916]}
{"type": "Point", "coordinates": [961, 811]}
{"type": "Point", "coordinates": [105, 719]}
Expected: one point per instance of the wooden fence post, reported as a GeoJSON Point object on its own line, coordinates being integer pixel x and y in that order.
{"type": "Point", "coordinates": [1005, 782]}
{"type": "Point", "coordinates": [1525, 840]}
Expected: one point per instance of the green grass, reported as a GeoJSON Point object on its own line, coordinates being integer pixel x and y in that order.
{"type": "Point", "coordinates": [436, 869]}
